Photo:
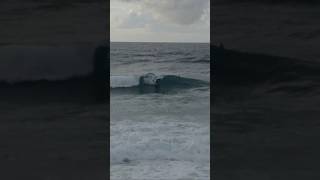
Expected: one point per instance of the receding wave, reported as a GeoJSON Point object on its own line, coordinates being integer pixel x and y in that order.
{"type": "Point", "coordinates": [153, 83]}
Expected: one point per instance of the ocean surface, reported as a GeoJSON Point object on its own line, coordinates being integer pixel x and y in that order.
{"type": "Point", "coordinates": [160, 111]}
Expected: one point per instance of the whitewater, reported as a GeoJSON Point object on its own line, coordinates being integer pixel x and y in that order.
{"type": "Point", "coordinates": [160, 111]}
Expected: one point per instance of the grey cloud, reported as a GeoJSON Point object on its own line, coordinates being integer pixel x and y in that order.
{"type": "Point", "coordinates": [181, 12]}
{"type": "Point", "coordinates": [135, 20]}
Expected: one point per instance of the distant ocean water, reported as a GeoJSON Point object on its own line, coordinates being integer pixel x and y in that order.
{"type": "Point", "coordinates": [160, 111]}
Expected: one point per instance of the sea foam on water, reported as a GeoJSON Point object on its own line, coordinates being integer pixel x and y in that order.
{"type": "Point", "coordinates": [160, 135]}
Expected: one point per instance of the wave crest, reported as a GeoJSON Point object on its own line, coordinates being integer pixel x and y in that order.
{"type": "Point", "coordinates": [151, 79]}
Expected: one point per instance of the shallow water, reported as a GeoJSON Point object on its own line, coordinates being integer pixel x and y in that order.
{"type": "Point", "coordinates": [160, 134]}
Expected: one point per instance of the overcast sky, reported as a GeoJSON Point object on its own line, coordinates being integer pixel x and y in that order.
{"type": "Point", "coordinates": [160, 20]}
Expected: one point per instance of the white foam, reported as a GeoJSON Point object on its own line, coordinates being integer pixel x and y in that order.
{"type": "Point", "coordinates": [150, 79]}
{"type": "Point", "coordinates": [133, 80]}
{"type": "Point", "coordinates": [162, 148]}
{"type": "Point", "coordinates": [124, 81]}
{"type": "Point", "coordinates": [160, 170]}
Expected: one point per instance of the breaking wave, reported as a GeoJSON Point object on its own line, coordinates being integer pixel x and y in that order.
{"type": "Point", "coordinates": [150, 81]}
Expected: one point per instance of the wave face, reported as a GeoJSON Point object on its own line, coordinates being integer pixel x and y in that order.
{"type": "Point", "coordinates": [150, 82]}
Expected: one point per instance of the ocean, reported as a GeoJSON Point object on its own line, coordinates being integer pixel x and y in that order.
{"type": "Point", "coordinates": [160, 111]}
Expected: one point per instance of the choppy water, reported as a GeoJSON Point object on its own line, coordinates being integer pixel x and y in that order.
{"type": "Point", "coordinates": [160, 121]}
